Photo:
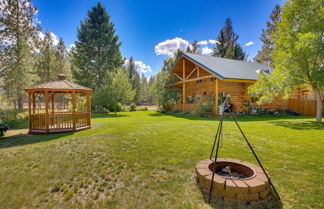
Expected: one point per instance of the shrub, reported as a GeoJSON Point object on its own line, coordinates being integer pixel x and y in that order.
{"type": "Point", "coordinates": [8, 115]}
{"type": "Point", "coordinates": [3, 128]}
{"type": "Point", "coordinates": [12, 119]}
{"type": "Point", "coordinates": [143, 109]}
{"type": "Point", "coordinates": [132, 107]}
{"type": "Point", "coordinates": [201, 110]}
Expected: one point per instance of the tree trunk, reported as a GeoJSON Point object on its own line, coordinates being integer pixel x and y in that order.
{"type": "Point", "coordinates": [319, 105]}
{"type": "Point", "coordinates": [20, 103]}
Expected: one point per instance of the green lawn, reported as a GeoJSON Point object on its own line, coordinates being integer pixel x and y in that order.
{"type": "Point", "coordinates": [146, 160]}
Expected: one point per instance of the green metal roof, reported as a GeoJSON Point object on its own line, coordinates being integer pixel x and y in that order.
{"type": "Point", "coordinates": [228, 68]}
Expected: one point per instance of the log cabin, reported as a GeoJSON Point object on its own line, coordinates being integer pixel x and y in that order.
{"type": "Point", "coordinates": [212, 80]}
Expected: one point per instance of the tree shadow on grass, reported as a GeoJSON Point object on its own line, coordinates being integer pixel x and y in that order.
{"type": "Point", "coordinates": [229, 118]}
{"type": "Point", "coordinates": [108, 115]}
{"type": "Point", "coordinates": [299, 125]}
{"type": "Point", "coordinates": [218, 203]}
{"type": "Point", "coordinates": [25, 139]}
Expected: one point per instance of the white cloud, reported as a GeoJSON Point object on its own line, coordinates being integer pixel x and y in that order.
{"type": "Point", "coordinates": [204, 42]}
{"type": "Point", "coordinates": [211, 41]}
{"type": "Point", "coordinates": [249, 43]}
{"type": "Point", "coordinates": [70, 47]}
{"type": "Point", "coordinates": [140, 66]}
{"type": "Point", "coordinates": [53, 36]}
{"type": "Point", "coordinates": [206, 50]}
{"type": "Point", "coordinates": [41, 35]}
{"type": "Point", "coordinates": [168, 47]}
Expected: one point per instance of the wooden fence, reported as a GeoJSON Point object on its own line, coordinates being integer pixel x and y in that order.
{"type": "Point", "coordinates": [302, 106]}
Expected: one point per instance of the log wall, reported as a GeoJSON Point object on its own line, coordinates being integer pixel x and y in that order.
{"type": "Point", "coordinates": [238, 92]}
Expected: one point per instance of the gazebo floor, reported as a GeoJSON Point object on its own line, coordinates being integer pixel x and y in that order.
{"type": "Point", "coordinates": [55, 131]}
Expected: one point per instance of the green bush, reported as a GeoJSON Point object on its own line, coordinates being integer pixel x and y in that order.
{"type": "Point", "coordinates": [132, 107]}
{"type": "Point", "coordinates": [8, 115]}
{"type": "Point", "coordinates": [3, 128]}
{"type": "Point", "coordinates": [201, 110]}
{"type": "Point", "coordinates": [11, 118]}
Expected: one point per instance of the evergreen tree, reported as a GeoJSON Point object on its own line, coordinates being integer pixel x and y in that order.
{"type": "Point", "coordinates": [162, 90]}
{"type": "Point", "coordinates": [264, 55]}
{"type": "Point", "coordinates": [226, 45]}
{"type": "Point", "coordinates": [144, 89]}
{"type": "Point", "coordinates": [62, 59]}
{"type": "Point", "coordinates": [117, 91]}
{"type": "Point", "coordinates": [18, 32]}
{"type": "Point", "coordinates": [193, 48]}
{"type": "Point", "coordinates": [46, 65]}
{"type": "Point", "coordinates": [134, 78]}
{"type": "Point", "coordinates": [97, 50]}
{"type": "Point", "coordinates": [137, 87]}
{"type": "Point", "coordinates": [150, 86]}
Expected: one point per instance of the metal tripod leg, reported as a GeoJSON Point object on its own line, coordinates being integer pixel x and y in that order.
{"type": "Point", "coordinates": [256, 157]}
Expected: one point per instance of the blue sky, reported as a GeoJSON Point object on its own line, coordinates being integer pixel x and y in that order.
{"type": "Point", "coordinates": [150, 30]}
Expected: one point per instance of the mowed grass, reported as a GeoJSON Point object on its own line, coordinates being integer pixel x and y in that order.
{"type": "Point", "coordinates": [147, 159]}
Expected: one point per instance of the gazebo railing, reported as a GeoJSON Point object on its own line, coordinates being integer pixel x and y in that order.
{"type": "Point", "coordinates": [59, 120]}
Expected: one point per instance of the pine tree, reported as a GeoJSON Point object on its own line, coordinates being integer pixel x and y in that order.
{"type": "Point", "coordinates": [226, 45]}
{"type": "Point", "coordinates": [264, 55]}
{"type": "Point", "coordinates": [134, 78]}
{"type": "Point", "coordinates": [115, 92]}
{"type": "Point", "coordinates": [193, 48]}
{"type": "Point", "coordinates": [62, 59]}
{"type": "Point", "coordinates": [46, 64]}
{"type": "Point", "coordinates": [97, 50]}
{"type": "Point", "coordinates": [143, 89]}
{"type": "Point", "coordinates": [18, 32]}
{"type": "Point", "coordinates": [137, 87]}
{"type": "Point", "coordinates": [150, 87]}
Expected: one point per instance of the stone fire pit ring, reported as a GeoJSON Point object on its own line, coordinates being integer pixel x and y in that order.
{"type": "Point", "coordinates": [252, 189]}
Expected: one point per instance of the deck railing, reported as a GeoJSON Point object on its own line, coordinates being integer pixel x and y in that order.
{"type": "Point", "coordinates": [59, 120]}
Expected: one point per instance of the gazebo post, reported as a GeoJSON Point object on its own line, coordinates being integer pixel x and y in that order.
{"type": "Point", "coordinates": [89, 108]}
{"type": "Point", "coordinates": [34, 102]}
{"type": "Point", "coordinates": [52, 101]}
{"type": "Point", "coordinates": [73, 110]}
{"type": "Point", "coordinates": [29, 110]}
{"type": "Point", "coordinates": [46, 112]}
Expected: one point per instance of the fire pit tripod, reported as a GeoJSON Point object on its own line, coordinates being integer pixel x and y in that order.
{"type": "Point", "coordinates": [233, 180]}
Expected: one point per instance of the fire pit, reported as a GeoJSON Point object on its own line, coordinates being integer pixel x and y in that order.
{"type": "Point", "coordinates": [235, 181]}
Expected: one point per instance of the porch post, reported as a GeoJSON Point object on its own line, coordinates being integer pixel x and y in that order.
{"type": "Point", "coordinates": [73, 110]}
{"type": "Point", "coordinates": [89, 108]}
{"type": "Point", "coordinates": [183, 84]}
{"type": "Point", "coordinates": [46, 112]}
{"type": "Point", "coordinates": [216, 97]}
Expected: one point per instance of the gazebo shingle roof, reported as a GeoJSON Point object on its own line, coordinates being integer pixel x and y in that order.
{"type": "Point", "coordinates": [59, 84]}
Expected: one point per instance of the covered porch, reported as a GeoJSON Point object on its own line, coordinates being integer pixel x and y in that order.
{"type": "Point", "coordinates": [195, 84]}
